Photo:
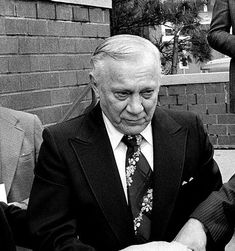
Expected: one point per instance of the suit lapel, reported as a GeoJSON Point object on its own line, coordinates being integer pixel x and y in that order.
{"type": "Point", "coordinates": [94, 152]}
{"type": "Point", "coordinates": [169, 151]}
{"type": "Point", "coordinates": [11, 142]}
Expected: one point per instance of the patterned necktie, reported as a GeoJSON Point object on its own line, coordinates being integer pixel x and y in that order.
{"type": "Point", "coordinates": [139, 187]}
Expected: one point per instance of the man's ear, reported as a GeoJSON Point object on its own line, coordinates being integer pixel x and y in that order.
{"type": "Point", "coordinates": [93, 83]}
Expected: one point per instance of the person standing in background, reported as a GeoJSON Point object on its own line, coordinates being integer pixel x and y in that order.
{"type": "Point", "coordinates": [220, 38]}
{"type": "Point", "coordinates": [20, 141]}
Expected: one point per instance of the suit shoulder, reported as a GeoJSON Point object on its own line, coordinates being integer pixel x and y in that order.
{"type": "Point", "coordinates": [12, 115]}
{"type": "Point", "coordinates": [68, 127]}
{"type": "Point", "coordinates": [182, 116]}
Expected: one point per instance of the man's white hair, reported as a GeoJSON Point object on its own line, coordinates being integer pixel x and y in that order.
{"type": "Point", "coordinates": [124, 47]}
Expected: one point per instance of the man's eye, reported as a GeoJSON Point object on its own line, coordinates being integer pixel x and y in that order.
{"type": "Point", "coordinates": [147, 94]}
{"type": "Point", "coordinates": [121, 95]}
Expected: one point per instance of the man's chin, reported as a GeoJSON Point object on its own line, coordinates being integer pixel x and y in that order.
{"type": "Point", "coordinates": [133, 129]}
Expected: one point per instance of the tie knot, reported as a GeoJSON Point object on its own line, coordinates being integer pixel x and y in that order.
{"type": "Point", "coordinates": [132, 140]}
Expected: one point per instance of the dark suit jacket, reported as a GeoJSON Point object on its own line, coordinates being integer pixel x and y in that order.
{"type": "Point", "coordinates": [13, 228]}
{"type": "Point", "coordinates": [217, 213]}
{"type": "Point", "coordinates": [7, 239]}
{"type": "Point", "coordinates": [220, 39]}
{"type": "Point", "coordinates": [77, 200]}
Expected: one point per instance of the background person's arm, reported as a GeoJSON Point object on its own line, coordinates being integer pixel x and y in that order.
{"type": "Point", "coordinates": [219, 36]}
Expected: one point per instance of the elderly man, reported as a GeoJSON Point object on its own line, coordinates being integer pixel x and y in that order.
{"type": "Point", "coordinates": [128, 173]}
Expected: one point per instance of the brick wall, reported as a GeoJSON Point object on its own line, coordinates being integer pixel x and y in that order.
{"type": "Point", "coordinates": [45, 50]}
{"type": "Point", "coordinates": [206, 95]}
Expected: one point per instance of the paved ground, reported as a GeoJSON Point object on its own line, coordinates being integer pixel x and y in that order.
{"type": "Point", "coordinates": [226, 162]}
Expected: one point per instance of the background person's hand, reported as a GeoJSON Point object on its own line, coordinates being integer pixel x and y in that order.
{"type": "Point", "coordinates": [193, 235]}
{"type": "Point", "coordinates": [158, 246]}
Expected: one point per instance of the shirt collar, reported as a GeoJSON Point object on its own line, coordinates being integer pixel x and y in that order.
{"type": "Point", "coordinates": [115, 136]}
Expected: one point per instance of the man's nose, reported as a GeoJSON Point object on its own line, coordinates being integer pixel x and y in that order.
{"type": "Point", "coordinates": [135, 105]}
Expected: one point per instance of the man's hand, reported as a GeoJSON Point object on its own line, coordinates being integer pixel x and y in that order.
{"type": "Point", "coordinates": [158, 246]}
{"type": "Point", "coordinates": [193, 235]}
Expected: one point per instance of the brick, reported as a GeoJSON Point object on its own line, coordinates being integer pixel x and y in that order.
{"type": "Point", "coordinates": [163, 90]}
{"type": "Point", "coordinates": [56, 28]}
{"type": "Point", "coordinates": [213, 139]}
{"type": "Point", "coordinates": [89, 30]}
{"type": "Point", "coordinates": [179, 107]}
{"type": "Point", "coordinates": [195, 89]}
{"type": "Point", "coordinates": [214, 88]}
{"type": "Point", "coordinates": [217, 129]}
{"type": "Point", "coordinates": [19, 101]}
{"type": "Point", "coordinates": [231, 129]}
{"type": "Point", "coordinates": [191, 99]}
{"type": "Point", "coordinates": [49, 45]}
{"type": "Point", "coordinates": [179, 89]}
{"type": "Point", "coordinates": [67, 45]}
{"type": "Point", "coordinates": [16, 26]}
{"type": "Point", "coordinates": [75, 92]}
{"type": "Point", "coordinates": [209, 119]}
{"type": "Point", "coordinates": [13, 101]}
{"type": "Point", "coordinates": [49, 80]}
{"type": "Point", "coordinates": [84, 45]}
{"type": "Point", "coordinates": [97, 41]}
{"type": "Point", "coordinates": [2, 26]}
{"type": "Point", "coordinates": [66, 62]}
{"type": "Point", "coordinates": [197, 108]}
{"type": "Point", "coordinates": [96, 15]}
{"type": "Point", "coordinates": [221, 98]}
{"type": "Point", "coordinates": [4, 100]}
{"type": "Point", "coordinates": [226, 140]}
{"type": "Point", "coordinates": [103, 30]}
{"type": "Point", "coordinates": [30, 81]}
{"type": "Point", "coordinates": [4, 64]}
{"type": "Point", "coordinates": [186, 99]}
{"type": "Point", "coordinates": [26, 100]}
{"type": "Point", "coordinates": [82, 77]}
{"type": "Point", "coordinates": [37, 27]}
{"type": "Point", "coordinates": [8, 45]}
{"type": "Point", "coordinates": [106, 16]}
{"type": "Point", "coordinates": [39, 63]}
{"type": "Point", "coordinates": [182, 99]}
{"type": "Point", "coordinates": [28, 45]}
{"type": "Point", "coordinates": [67, 79]}
{"type": "Point", "coordinates": [41, 99]}
{"type": "Point", "coordinates": [19, 64]}
{"type": "Point", "coordinates": [52, 114]}
{"type": "Point", "coordinates": [10, 83]}
{"type": "Point", "coordinates": [226, 119]}
{"type": "Point", "coordinates": [73, 29]}
{"type": "Point", "coordinates": [216, 109]}
{"type": "Point", "coordinates": [64, 12]}
{"type": "Point", "coordinates": [86, 61]}
{"type": "Point", "coordinates": [80, 14]}
{"type": "Point", "coordinates": [46, 10]}
{"type": "Point", "coordinates": [168, 100]}
{"type": "Point", "coordinates": [7, 8]}
{"type": "Point", "coordinates": [26, 9]}
{"type": "Point", "coordinates": [201, 99]}
{"type": "Point", "coordinates": [60, 96]}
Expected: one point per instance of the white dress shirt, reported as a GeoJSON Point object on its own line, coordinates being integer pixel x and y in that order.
{"type": "Point", "coordinates": [119, 148]}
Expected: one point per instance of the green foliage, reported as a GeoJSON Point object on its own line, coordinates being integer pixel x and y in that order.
{"type": "Point", "coordinates": [181, 16]}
